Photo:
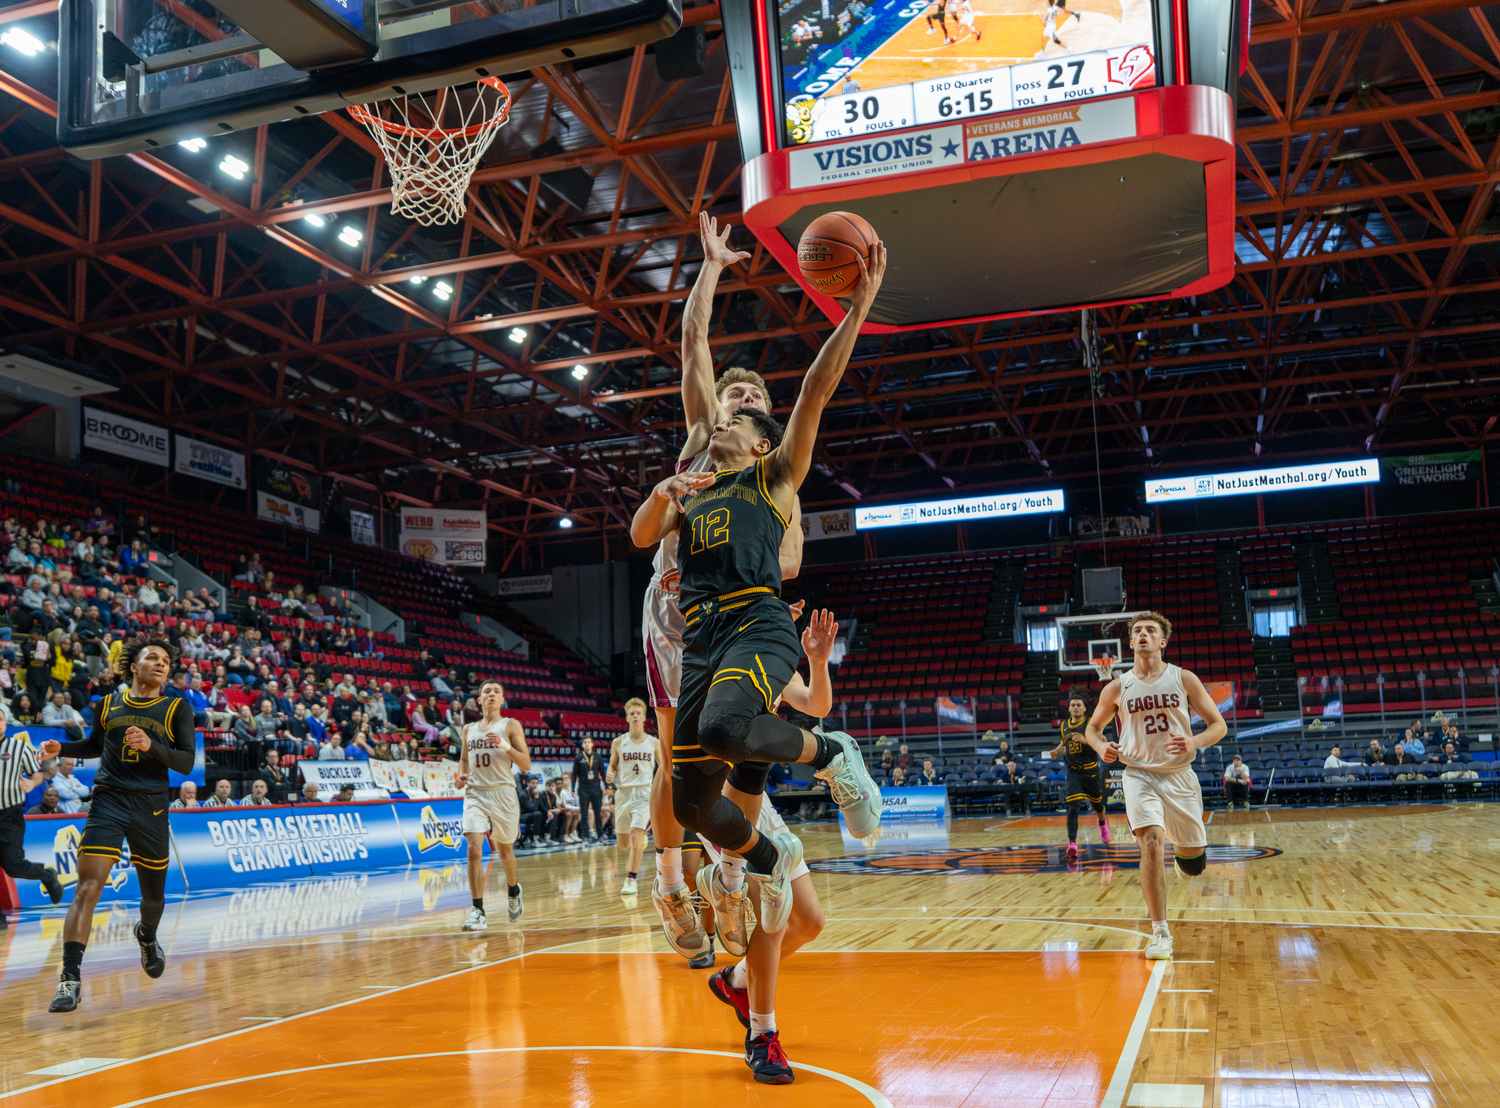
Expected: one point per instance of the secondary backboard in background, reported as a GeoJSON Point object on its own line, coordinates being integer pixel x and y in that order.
{"type": "Point", "coordinates": [136, 74]}
{"type": "Point", "coordinates": [1080, 639]}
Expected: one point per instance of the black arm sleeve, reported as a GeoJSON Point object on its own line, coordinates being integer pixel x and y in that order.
{"type": "Point", "coordinates": [91, 747]}
{"type": "Point", "coordinates": [183, 751]}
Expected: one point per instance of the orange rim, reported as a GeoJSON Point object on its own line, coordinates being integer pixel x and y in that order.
{"type": "Point", "coordinates": [371, 119]}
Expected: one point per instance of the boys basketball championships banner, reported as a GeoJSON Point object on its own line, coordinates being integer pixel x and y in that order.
{"type": "Point", "coordinates": [452, 538]}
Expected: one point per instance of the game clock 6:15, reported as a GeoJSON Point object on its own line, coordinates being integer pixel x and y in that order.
{"type": "Point", "coordinates": [969, 103]}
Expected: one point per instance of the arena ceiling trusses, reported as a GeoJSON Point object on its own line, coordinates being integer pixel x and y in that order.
{"type": "Point", "coordinates": [1362, 317]}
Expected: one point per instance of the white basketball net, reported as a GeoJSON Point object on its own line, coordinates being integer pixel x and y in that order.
{"type": "Point", "coordinates": [431, 164]}
{"type": "Point", "coordinates": [1105, 667]}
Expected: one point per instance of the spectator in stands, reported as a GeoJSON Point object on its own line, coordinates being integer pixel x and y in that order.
{"type": "Point", "coordinates": [278, 784]}
{"type": "Point", "coordinates": [35, 593]}
{"type": "Point", "coordinates": [187, 796]}
{"type": "Point", "coordinates": [359, 748]}
{"type": "Point", "coordinates": [267, 726]}
{"type": "Point", "coordinates": [62, 663]}
{"type": "Point", "coordinates": [1399, 757]}
{"type": "Point", "coordinates": [332, 750]}
{"type": "Point", "coordinates": [1451, 735]}
{"type": "Point", "coordinates": [374, 708]}
{"type": "Point", "coordinates": [238, 667]}
{"type": "Point", "coordinates": [253, 570]}
{"type": "Point", "coordinates": [1237, 782]}
{"type": "Point", "coordinates": [898, 777]}
{"type": "Point", "coordinates": [418, 714]}
{"type": "Point", "coordinates": [401, 750]}
{"type": "Point", "coordinates": [19, 560]}
{"type": "Point", "coordinates": [1374, 755]}
{"type": "Point", "coordinates": [887, 763]}
{"type": "Point", "coordinates": [37, 654]}
{"type": "Point", "coordinates": [48, 805]}
{"type": "Point", "coordinates": [148, 598]}
{"type": "Point", "coordinates": [220, 799]}
{"type": "Point", "coordinates": [903, 759]}
{"type": "Point", "coordinates": [211, 607]}
{"type": "Point", "coordinates": [1334, 761]}
{"type": "Point", "coordinates": [928, 775]}
{"type": "Point", "coordinates": [279, 702]}
{"type": "Point", "coordinates": [243, 729]}
{"type": "Point", "coordinates": [1414, 745]}
{"type": "Point", "coordinates": [181, 687]}
{"type": "Point", "coordinates": [318, 728]}
{"type": "Point", "coordinates": [73, 794]}
{"type": "Point", "coordinates": [1457, 766]}
{"type": "Point", "coordinates": [533, 811]}
{"type": "Point", "coordinates": [49, 771]}
{"type": "Point", "coordinates": [59, 713]}
{"type": "Point", "coordinates": [258, 795]}
{"type": "Point", "coordinates": [220, 711]}
{"type": "Point", "coordinates": [310, 794]}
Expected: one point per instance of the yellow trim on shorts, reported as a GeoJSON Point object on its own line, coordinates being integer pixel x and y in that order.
{"type": "Point", "coordinates": [767, 678]}
{"type": "Point", "coordinates": [102, 851]}
{"type": "Point", "coordinates": [731, 596]}
{"type": "Point", "coordinates": [148, 865]}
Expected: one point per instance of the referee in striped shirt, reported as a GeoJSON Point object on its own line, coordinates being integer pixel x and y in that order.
{"type": "Point", "coordinates": [20, 772]}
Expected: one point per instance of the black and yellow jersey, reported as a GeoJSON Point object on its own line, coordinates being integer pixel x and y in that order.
{"type": "Point", "coordinates": [167, 720]}
{"type": "Point", "coordinates": [729, 540]}
{"type": "Point", "coordinates": [1076, 749]}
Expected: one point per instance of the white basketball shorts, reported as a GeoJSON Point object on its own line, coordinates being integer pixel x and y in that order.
{"type": "Point", "coordinates": [661, 629]}
{"type": "Point", "coordinates": [632, 809]}
{"type": "Point", "coordinates": [1172, 801]}
{"type": "Point", "coordinates": [770, 824]}
{"type": "Point", "coordinates": [492, 810]}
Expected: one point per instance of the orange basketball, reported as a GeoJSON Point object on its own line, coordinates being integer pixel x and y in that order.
{"type": "Point", "coordinates": [829, 248]}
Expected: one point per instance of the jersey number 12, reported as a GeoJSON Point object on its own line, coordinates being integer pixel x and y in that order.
{"type": "Point", "coordinates": [710, 529]}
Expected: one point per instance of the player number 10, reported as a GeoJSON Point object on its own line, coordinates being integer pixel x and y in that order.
{"type": "Point", "coordinates": [949, 105]}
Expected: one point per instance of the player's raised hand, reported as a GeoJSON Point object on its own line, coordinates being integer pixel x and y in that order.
{"type": "Point", "coordinates": [819, 637]}
{"type": "Point", "coordinates": [1111, 752]}
{"type": "Point", "coordinates": [137, 739]}
{"type": "Point", "coordinates": [795, 610]}
{"type": "Point", "coordinates": [50, 748]}
{"type": "Point", "coordinates": [677, 486]}
{"type": "Point", "coordinates": [870, 276]}
{"type": "Point", "coordinates": [716, 246]}
{"type": "Point", "coordinates": [1180, 744]}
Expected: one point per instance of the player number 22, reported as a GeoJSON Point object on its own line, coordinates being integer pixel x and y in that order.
{"type": "Point", "coordinates": [710, 529]}
{"type": "Point", "coordinates": [1156, 724]}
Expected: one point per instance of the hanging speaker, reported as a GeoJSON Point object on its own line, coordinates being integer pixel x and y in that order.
{"type": "Point", "coordinates": [681, 56]}
{"type": "Point", "coordinates": [572, 186]}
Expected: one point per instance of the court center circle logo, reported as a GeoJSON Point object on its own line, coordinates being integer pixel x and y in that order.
{"type": "Point", "coordinates": [1018, 860]}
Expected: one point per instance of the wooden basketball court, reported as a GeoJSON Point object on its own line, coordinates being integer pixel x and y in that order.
{"type": "Point", "coordinates": [1352, 968]}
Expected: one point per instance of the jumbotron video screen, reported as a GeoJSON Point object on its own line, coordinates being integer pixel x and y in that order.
{"type": "Point", "coordinates": [853, 67]}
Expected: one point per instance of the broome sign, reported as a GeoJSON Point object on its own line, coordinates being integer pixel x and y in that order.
{"type": "Point", "coordinates": [127, 437]}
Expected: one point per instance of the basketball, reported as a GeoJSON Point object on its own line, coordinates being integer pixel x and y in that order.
{"type": "Point", "coordinates": [828, 251]}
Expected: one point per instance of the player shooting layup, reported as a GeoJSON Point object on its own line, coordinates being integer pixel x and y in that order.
{"type": "Point", "coordinates": [1150, 703]}
{"type": "Point", "coordinates": [493, 749]}
{"type": "Point", "coordinates": [632, 762]}
{"type": "Point", "coordinates": [705, 405]}
{"type": "Point", "coordinates": [741, 645]}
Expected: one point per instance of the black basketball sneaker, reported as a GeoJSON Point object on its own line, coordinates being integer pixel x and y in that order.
{"type": "Point", "coordinates": [766, 1059]}
{"type": "Point", "coordinates": [66, 999]}
{"type": "Point", "coordinates": [153, 957]}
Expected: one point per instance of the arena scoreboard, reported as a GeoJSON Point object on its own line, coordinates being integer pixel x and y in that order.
{"type": "Point", "coordinates": [1016, 156]}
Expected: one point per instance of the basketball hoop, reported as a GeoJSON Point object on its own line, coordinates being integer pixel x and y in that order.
{"type": "Point", "coordinates": [1105, 667]}
{"type": "Point", "coordinates": [431, 164]}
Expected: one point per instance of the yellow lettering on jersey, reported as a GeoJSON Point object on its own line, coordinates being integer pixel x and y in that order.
{"type": "Point", "coordinates": [710, 529]}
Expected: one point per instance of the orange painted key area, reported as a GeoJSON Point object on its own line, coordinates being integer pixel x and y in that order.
{"type": "Point", "coordinates": [1023, 1030]}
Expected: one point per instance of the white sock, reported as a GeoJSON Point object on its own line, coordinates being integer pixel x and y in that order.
{"type": "Point", "coordinates": [738, 977]}
{"type": "Point", "coordinates": [669, 867]}
{"type": "Point", "coordinates": [762, 1024]}
{"type": "Point", "coordinates": [732, 869]}
{"type": "Point", "coordinates": [1159, 927]}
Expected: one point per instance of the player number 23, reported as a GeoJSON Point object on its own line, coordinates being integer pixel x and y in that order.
{"type": "Point", "coordinates": [710, 529]}
{"type": "Point", "coordinates": [1156, 724]}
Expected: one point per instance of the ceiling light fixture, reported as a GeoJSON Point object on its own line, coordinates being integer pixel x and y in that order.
{"type": "Point", "coordinates": [315, 220]}
{"type": "Point", "coordinates": [234, 167]}
{"type": "Point", "coordinates": [580, 372]}
{"type": "Point", "coordinates": [194, 145]}
{"type": "Point", "coordinates": [351, 235]}
{"type": "Point", "coordinates": [19, 40]}
{"type": "Point", "coordinates": [517, 334]}
{"type": "Point", "coordinates": [565, 523]}
{"type": "Point", "coordinates": [442, 290]}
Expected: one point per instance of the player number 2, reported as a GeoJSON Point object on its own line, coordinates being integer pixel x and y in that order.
{"type": "Point", "coordinates": [710, 529]}
{"type": "Point", "coordinates": [1156, 724]}
{"type": "Point", "coordinates": [853, 109]}
{"type": "Point", "coordinates": [129, 753]}
{"type": "Point", "coordinates": [1056, 72]}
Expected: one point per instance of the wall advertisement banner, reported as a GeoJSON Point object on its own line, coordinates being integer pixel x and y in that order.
{"type": "Point", "coordinates": [332, 776]}
{"type": "Point", "coordinates": [211, 463]}
{"type": "Point", "coordinates": [923, 802]}
{"type": "Point", "coordinates": [285, 483]}
{"type": "Point", "coordinates": [362, 528]}
{"type": "Point", "coordinates": [827, 525]}
{"type": "Point", "coordinates": [1359, 471]}
{"type": "Point", "coordinates": [228, 848]}
{"type": "Point", "coordinates": [454, 538]}
{"type": "Point", "coordinates": [1434, 469]}
{"type": "Point", "coordinates": [130, 438]}
{"type": "Point", "coordinates": [286, 512]}
{"type": "Point", "coordinates": [433, 829]}
{"type": "Point", "coordinates": [537, 585]}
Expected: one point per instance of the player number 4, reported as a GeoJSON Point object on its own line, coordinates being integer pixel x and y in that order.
{"type": "Point", "coordinates": [948, 105]}
{"type": "Point", "coordinates": [1056, 72]}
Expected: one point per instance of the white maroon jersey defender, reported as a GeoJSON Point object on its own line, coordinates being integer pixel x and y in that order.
{"type": "Point", "coordinates": [1149, 712]}
{"type": "Point", "coordinates": [664, 564]}
{"type": "Point", "coordinates": [637, 760]}
{"type": "Point", "coordinates": [489, 757]}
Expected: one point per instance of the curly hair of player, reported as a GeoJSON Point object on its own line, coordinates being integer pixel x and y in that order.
{"type": "Point", "coordinates": [1153, 617]}
{"type": "Point", "coordinates": [132, 649]}
{"type": "Point", "coordinates": [735, 375]}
